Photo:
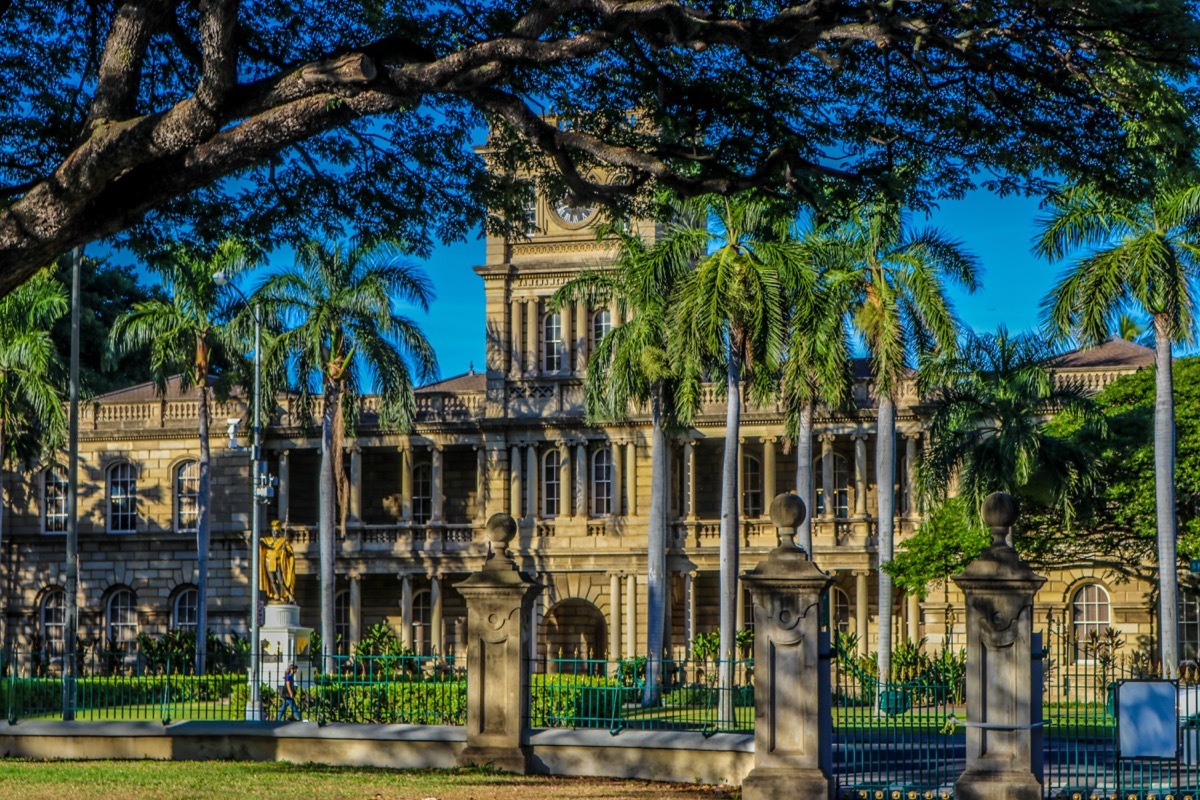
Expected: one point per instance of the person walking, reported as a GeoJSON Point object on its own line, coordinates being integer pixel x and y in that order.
{"type": "Point", "coordinates": [289, 696]}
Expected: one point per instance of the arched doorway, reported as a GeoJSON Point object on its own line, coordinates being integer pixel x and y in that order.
{"type": "Point", "coordinates": [573, 629]}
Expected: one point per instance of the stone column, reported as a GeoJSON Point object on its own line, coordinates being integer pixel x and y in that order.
{"type": "Point", "coordinates": [437, 634]}
{"type": "Point", "coordinates": [283, 493]}
{"type": "Point", "coordinates": [514, 332]}
{"type": "Point", "coordinates": [668, 618]}
{"type": "Point", "coordinates": [631, 615]}
{"type": "Point", "coordinates": [499, 599]}
{"type": "Point", "coordinates": [827, 488]}
{"type": "Point", "coordinates": [998, 589]}
{"type": "Point", "coordinates": [689, 462]}
{"type": "Point", "coordinates": [631, 473]}
{"type": "Point", "coordinates": [615, 450]}
{"type": "Point", "coordinates": [568, 349]}
{"type": "Point", "coordinates": [516, 485]}
{"type": "Point", "coordinates": [533, 364]}
{"type": "Point", "coordinates": [406, 611]}
{"type": "Point", "coordinates": [913, 617]}
{"type": "Point", "coordinates": [354, 515]}
{"type": "Point", "coordinates": [614, 616]}
{"type": "Point", "coordinates": [861, 610]}
{"type": "Point", "coordinates": [581, 337]}
{"type": "Point", "coordinates": [741, 482]}
{"type": "Point", "coordinates": [406, 484]}
{"type": "Point", "coordinates": [581, 478]}
{"type": "Point", "coordinates": [739, 608]}
{"type": "Point", "coordinates": [793, 725]}
{"type": "Point", "coordinates": [531, 481]}
{"type": "Point", "coordinates": [436, 471]}
{"type": "Point", "coordinates": [689, 600]}
{"type": "Point", "coordinates": [355, 612]}
{"type": "Point", "coordinates": [481, 481]}
{"type": "Point", "coordinates": [768, 465]}
{"type": "Point", "coordinates": [910, 474]}
{"type": "Point", "coordinates": [860, 474]}
{"type": "Point", "coordinates": [564, 479]}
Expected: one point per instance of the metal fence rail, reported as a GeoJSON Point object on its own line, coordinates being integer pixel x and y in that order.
{"type": "Point", "coordinates": [413, 689]}
{"type": "Point", "coordinates": [611, 695]}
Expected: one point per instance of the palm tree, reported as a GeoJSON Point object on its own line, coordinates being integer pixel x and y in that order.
{"type": "Point", "coordinates": [32, 417]}
{"type": "Point", "coordinates": [731, 319]}
{"type": "Point", "coordinates": [1136, 254]}
{"type": "Point", "coordinates": [189, 334]}
{"type": "Point", "coordinates": [630, 367]}
{"type": "Point", "coordinates": [897, 280]}
{"type": "Point", "coordinates": [817, 370]}
{"type": "Point", "coordinates": [341, 333]}
{"type": "Point", "coordinates": [990, 405]}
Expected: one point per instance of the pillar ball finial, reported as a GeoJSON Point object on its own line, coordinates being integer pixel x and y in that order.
{"type": "Point", "coordinates": [501, 529]}
{"type": "Point", "coordinates": [787, 510]}
{"type": "Point", "coordinates": [1000, 510]}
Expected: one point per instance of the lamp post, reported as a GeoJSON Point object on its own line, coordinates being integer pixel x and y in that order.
{"type": "Point", "coordinates": [259, 496]}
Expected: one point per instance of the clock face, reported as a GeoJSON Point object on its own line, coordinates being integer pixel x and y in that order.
{"type": "Point", "coordinates": [573, 215]}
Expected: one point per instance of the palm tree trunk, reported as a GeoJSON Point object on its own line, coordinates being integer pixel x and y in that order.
{"type": "Point", "coordinates": [729, 538]}
{"type": "Point", "coordinates": [202, 533]}
{"type": "Point", "coordinates": [885, 481]}
{"type": "Point", "coordinates": [804, 476]}
{"type": "Point", "coordinates": [325, 528]}
{"type": "Point", "coordinates": [1164, 498]}
{"type": "Point", "coordinates": [656, 558]}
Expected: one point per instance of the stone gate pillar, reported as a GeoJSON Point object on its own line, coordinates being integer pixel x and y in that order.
{"type": "Point", "coordinates": [499, 598]}
{"type": "Point", "coordinates": [999, 588]}
{"type": "Point", "coordinates": [793, 735]}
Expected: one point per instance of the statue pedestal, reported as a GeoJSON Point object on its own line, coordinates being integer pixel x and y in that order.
{"type": "Point", "coordinates": [284, 642]}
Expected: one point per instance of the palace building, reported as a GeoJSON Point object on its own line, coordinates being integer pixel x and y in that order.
{"type": "Point", "coordinates": [510, 438]}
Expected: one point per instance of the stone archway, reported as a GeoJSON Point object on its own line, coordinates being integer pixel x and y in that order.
{"type": "Point", "coordinates": [573, 629]}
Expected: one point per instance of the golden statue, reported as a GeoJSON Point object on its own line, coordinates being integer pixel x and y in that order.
{"type": "Point", "coordinates": [277, 566]}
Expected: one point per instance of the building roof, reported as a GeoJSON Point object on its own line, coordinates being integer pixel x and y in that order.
{"type": "Point", "coordinates": [1116, 353]}
{"type": "Point", "coordinates": [145, 392]}
{"type": "Point", "coordinates": [471, 381]}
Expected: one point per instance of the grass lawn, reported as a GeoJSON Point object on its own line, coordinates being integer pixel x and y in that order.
{"type": "Point", "coordinates": [226, 780]}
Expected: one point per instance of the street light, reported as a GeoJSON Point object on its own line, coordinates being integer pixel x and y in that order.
{"type": "Point", "coordinates": [260, 492]}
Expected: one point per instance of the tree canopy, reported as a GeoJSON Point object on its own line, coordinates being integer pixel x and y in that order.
{"type": "Point", "coordinates": [149, 120]}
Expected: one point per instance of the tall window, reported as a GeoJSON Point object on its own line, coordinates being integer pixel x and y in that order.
{"type": "Point", "coordinates": [187, 496]}
{"type": "Point", "coordinates": [752, 487]}
{"type": "Point", "coordinates": [841, 486]}
{"type": "Point", "coordinates": [422, 622]}
{"type": "Point", "coordinates": [551, 488]}
{"type": "Point", "coordinates": [1090, 617]}
{"type": "Point", "coordinates": [602, 482]}
{"type": "Point", "coordinates": [54, 610]}
{"type": "Point", "coordinates": [422, 500]}
{"type": "Point", "coordinates": [54, 500]}
{"type": "Point", "coordinates": [341, 621]}
{"type": "Point", "coordinates": [552, 343]}
{"type": "Point", "coordinates": [839, 611]}
{"type": "Point", "coordinates": [122, 498]}
{"type": "Point", "coordinates": [1189, 624]}
{"type": "Point", "coordinates": [183, 611]}
{"type": "Point", "coordinates": [121, 620]}
{"type": "Point", "coordinates": [601, 325]}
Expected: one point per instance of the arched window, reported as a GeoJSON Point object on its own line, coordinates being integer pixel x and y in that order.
{"type": "Point", "coordinates": [122, 498]}
{"type": "Point", "coordinates": [602, 482]}
{"type": "Point", "coordinates": [183, 610]}
{"type": "Point", "coordinates": [551, 463]}
{"type": "Point", "coordinates": [1090, 618]}
{"type": "Point", "coordinates": [422, 499]}
{"type": "Point", "coordinates": [120, 618]}
{"type": "Point", "coordinates": [53, 619]}
{"type": "Point", "coordinates": [187, 496]}
{"type": "Point", "coordinates": [54, 500]}
{"type": "Point", "coordinates": [341, 621]}
{"type": "Point", "coordinates": [552, 343]}
{"type": "Point", "coordinates": [752, 487]}
{"type": "Point", "coordinates": [422, 620]}
{"type": "Point", "coordinates": [839, 611]}
{"type": "Point", "coordinates": [601, 325]}
{"type": "Point", "coordinates": [841, 486]}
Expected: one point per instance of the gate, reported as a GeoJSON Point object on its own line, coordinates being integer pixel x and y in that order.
{"type": "Point", "coordinates": [1083, 761]}
{"type": "Point", "coordinates": [897, 740]}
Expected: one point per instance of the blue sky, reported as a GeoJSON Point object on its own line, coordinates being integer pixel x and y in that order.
{"type": "Point", "coordinates": [998, 230]}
